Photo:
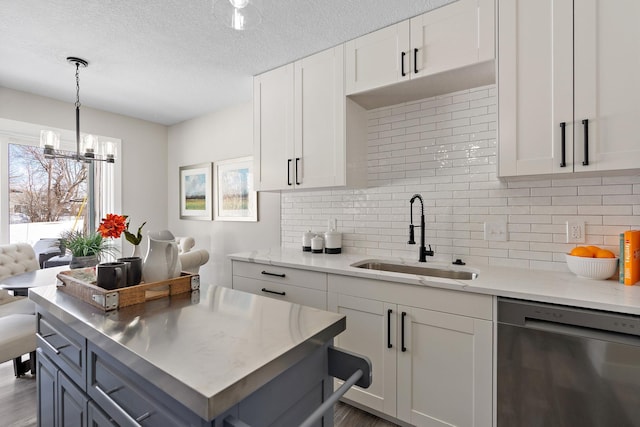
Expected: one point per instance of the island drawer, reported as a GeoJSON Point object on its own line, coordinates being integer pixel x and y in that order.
{"type": "Point", "coordinates": [64, 345]}
{"type": "Point", "coordinates": [127, 397]}
{"type": "Point", "coordinates": [284, 292]}
{"type": "Point", "coordinates": [285, 275]}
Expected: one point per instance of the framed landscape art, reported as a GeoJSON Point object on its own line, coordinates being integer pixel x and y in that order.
{"type": "Point", "coordinates": [235, 198]}
{"type": "Point", "coordinates": [196, 198]}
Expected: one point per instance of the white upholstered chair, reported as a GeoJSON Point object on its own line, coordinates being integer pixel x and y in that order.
{"type": "Point", "coordinates": [17, 314]}
{"type": "Point", "coordinates": [191, 260]}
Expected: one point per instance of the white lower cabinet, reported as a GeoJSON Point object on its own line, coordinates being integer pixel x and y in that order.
{"type": "Point", "coordinates": [431, 350]}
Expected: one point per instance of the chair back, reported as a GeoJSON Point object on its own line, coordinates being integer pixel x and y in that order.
{"type": "Point", "coordinates": [15, 259]}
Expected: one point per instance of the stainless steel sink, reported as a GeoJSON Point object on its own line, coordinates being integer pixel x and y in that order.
{"type": "Point", "coordinates": [373, 264]}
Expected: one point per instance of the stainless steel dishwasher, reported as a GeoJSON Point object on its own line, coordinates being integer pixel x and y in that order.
{"type": "Point", "coordinates": [566, 366]}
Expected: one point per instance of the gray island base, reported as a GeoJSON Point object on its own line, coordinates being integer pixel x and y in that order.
{"type": "Point", "coordinates": [226, 358]}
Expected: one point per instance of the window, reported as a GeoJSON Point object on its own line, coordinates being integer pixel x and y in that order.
{"type": "Point", "coordinates": [45, 197]}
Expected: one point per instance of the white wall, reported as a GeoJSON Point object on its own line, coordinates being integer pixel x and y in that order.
{"type": "Point", "coordinates": [218, 136]}
{"type": "Point", "coordinates": [445, 149]}
{"type": "Point", "coordinates": [143, 157]}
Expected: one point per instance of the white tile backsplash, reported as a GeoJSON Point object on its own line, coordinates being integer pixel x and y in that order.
{"type": "Point", "coordinates": [445, 149]}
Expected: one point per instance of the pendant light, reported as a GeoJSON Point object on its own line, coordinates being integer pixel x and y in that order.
{"type": "Point", "coordinates": [91, 148]}
{"type": "Point", "coordinates": [238, 14]}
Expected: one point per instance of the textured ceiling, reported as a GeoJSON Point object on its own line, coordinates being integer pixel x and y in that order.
{"type": "Point", "coordinates": [170, 60]}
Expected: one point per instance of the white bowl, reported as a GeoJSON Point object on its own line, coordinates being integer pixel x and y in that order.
{"type": "Point", "coordinates": [592, 268]}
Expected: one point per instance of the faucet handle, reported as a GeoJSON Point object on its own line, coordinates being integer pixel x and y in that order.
{"type": "Point", "coordinates": [429, 252]}
{"type": "Point", "coordinates": [411, 236]}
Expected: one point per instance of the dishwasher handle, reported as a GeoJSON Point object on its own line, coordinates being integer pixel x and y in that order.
{"type": "Point", "coordinates": [579, 320]}
{"type": "Point", "coordinates": [583, 332]}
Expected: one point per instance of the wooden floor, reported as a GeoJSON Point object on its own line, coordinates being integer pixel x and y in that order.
{"type": "Point", "coordinates": [18, 404]}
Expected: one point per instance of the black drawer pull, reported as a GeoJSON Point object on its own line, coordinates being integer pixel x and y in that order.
{"type": "Point", "coordinates": [389, 345]}
{"type": "Point", "coordinates": [402, 64]}
{"type": "Point", "coordinates": [48, 335]}
{"type": "Point", "coordinates": [585, 124]}
{"type": "Point", "coordinates": [402, 333]}
{"type": "Point", "coordinates": [415, 60]}
{"type": "Point", "coordinates": [562, 133]}
{"type": "Point", "coordinates": [273, 274]}
{"type": "Point", "coordinates": [144, 416]}
{"type": "Point", "coordinates": [273, 292]}
{"type": "Point", "coordinates": [297, 160]}
{"type": "Point", "coordinates": [289, 172]}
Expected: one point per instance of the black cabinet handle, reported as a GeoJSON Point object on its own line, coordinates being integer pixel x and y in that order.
{"type": "Point", "coordinates": [402, 332]}
{"type": "Point", "coordinates": [297, 160]}
{"type": "Point", "coordinates": [266, 273]}
{"type": "Point", "coordinates": [402, 55]}
{"type": "Point", "coordinates": [273, 292]}
{"type": "Point", "coordinates": [415, 60]}
{"type": "Point", "coordinates": [389, 345]}
{"type": "Point", "coordinates": [585, 124]}
{"type": "Point", "coordinates": [563, 125]}
{"type": "Point", "coordinates": [289, 172]}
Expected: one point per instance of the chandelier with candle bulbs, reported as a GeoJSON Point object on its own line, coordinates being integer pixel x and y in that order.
{"type": "Point", "coordinates": [88, 147]}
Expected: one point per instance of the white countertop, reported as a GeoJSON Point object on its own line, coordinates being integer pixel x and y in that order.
{"type": "Point", "coordinates": [535, 285]}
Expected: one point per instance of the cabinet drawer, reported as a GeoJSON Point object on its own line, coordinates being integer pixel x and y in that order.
{"type": "Point", "coordinates": [65, 346]}
{"type": "Point", "coordinates": [283, 275]}
{"type": "Point", "coordinates": [125, 397]}
{"type": "Point", "coordinates": [284, 292]}
{"type": "Point", "coordinates": [425, 297]}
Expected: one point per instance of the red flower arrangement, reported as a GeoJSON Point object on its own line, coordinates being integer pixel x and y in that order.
{"type": "Point", "coordinates": [114, 225]}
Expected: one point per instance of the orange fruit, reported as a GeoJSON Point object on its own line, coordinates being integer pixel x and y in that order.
{"type": "Point", "coordinates": [604, 253]}
{"type": "Point", "coordinates": [581, 251]}
{"type": "Point", "coordinates": [593, 249]}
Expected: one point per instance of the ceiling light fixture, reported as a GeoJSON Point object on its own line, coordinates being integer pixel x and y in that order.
{"type": "Point", "coordinates": [91, 147]}
{"type": "Point", "coordinates": [238, 14]}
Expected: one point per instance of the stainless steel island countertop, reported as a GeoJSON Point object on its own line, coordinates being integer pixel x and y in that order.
{"type": "Point", "coordinates": [207, 351]}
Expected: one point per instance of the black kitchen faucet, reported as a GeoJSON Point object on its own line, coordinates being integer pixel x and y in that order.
{"type": "Point", "coordinates": [423, 252]}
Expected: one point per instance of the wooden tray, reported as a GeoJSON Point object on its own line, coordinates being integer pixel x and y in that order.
{"type": "Point", "coordinates": [80, 283]}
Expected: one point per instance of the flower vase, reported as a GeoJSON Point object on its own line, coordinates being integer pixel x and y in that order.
{"type": "Point", "coordinates": [136, 251]}
{"type": "Point", "coordinates": [83, 261]}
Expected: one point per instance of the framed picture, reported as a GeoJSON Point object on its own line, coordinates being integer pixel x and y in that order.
{"type": "Point", "coordinates": [235, 198]}
{"type": "Point", "coordinates": [196, 200]}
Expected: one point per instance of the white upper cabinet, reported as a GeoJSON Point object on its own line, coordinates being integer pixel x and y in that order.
{"type": "Point", "coordinates": [450, 37]}
{"type": "Point", "coordinates": [307, 134]}
{"type": "Point", "coordinates": [607, 87]}
{"type": "Point", "coordinates": [566, 94]}
{"type": "Point", "coordinates": [272, 128]}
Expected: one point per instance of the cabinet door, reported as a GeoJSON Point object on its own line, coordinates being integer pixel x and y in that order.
{"type": "Point", "coordinates": [368, 333]}
{"type": "Point", "coordinates": [535, 80]}
{"type": "Point", "coordinates": [72, 404]}
{"type": "Point", "coordinates": [273, 129]}
{"type": "Point", "coordinates": [319, 120]}
{"type": "Point", "coordinates": [607, 42]}
{"type": "Point", "coordinates": [450, 37]}
{"type": "Point", "coordinates": [445, 369]}
{"type": "Point", "coordinates": [378, 59]}
{"type": "Point", "coordinates": [47, 375]}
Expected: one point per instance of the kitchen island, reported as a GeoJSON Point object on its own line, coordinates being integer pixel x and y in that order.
{"type": "Point", "coordinates": [185, 360]}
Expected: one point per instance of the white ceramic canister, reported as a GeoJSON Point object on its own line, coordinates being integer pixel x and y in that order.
{"type": "Point", "coordinates": [317, 244]}
{"type": "Point", "coordinates": [306, 241]}
{"type": "Point", "coordinates": [332, 242]}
